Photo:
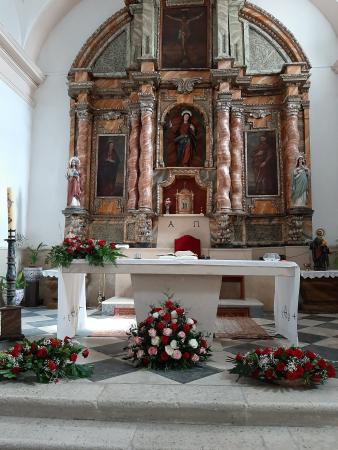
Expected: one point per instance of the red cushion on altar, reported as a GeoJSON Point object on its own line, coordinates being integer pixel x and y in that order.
{"type": "Point", "coordinates": [187, 242]}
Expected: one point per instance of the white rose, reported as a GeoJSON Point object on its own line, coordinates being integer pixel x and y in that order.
{"type": "Point", "coordinates": [167, 331]}
{"type": "Point", "coordinates": [155, 341]}
{"type": "Point", "coordinates": [174, 314]}
{"type": "Point", "coordinates": [173, 344]}
{"type": "Point", "coordinates": [152, 332]}
{"type": "Point", "coordinates": [190, 321]}
{"type": "Point", "coordinates": [174, 320]}
{"type": "Point", "coordinates": [140, 354]}
{"type": "Point", "coordinates": [193, 343]}
{"type": "Point", "coordinates": [169, 350]}
{"type": "Point", "coordinates": [155, 315]}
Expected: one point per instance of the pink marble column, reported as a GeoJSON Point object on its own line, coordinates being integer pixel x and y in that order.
{"type": "Point", "coordinates": [83, 147]}
{"type": "Point", "coordinates": [291, 149]}
{"type": "Point", "coordinates": [134, 147]}
{"type": "Point", "coordinates": [223, 154]}
{"type": "Point", "coordinates": [237, 150]}
{"type": "Point", "coordinates": [147, 150]}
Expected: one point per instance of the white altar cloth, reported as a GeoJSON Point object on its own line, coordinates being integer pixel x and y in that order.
{"type": "Point", "coordinates": [196, 284]}
{"type": "Point", "coordinates": [319, 274]}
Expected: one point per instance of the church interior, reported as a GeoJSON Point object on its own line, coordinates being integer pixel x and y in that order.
{"type": "Point", "coordinates": [160, 151]}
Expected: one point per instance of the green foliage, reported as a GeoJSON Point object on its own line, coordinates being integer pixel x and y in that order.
{"type": "Point", "coordinates": [19, 283]}
{"type": "Point", "coordinates": [33, 253]}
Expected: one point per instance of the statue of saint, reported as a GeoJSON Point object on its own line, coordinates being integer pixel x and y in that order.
{"type": "Point", "coordinates": [320, 251]}
{"type": "Point", "coordinates": [185, 141]}
{"type": "Point", "coordinates": [300, 183]}
{"type": "Point", "coordinates": [74, 183]}
{"type": "Point", "coordinates": [167, 205]}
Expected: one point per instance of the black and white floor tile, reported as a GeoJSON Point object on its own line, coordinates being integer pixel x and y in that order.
{"type": "Point", "coordinates": [318, 333]}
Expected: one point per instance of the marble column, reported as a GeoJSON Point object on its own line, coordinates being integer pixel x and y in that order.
{"type": "Point", "coordinates": [147, 103]}
{"type": "Point", "coordinates": [134, 146]}
{"type": "Point", "coordinates": [83, 150]}
{"type": "Point", "coordinates": [291, 150]}
{"type": "Point", "coordinates": [223, 154]}
{"type": "Point", "coordinates": [237, 150]}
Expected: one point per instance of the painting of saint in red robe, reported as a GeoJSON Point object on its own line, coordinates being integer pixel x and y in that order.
{"type": "Point", "coordinates": [110, 166]}
{"type": "Point", "coordinates": [184, 138]}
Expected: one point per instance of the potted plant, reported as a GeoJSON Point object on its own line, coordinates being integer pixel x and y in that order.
{"type": "Point", "coordinates": [33, 272]}
{"type": "Point", "coordinates": [19, 288]}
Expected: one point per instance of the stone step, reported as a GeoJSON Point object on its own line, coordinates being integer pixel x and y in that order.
{"type": "Point", "coordinates": [240, 405]}
{"type": "Point", "coordinates": [46, 434]}
{"type": "Point", "coordinates": [254, 306]}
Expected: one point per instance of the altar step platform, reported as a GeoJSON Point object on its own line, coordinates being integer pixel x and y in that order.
{"type": "Point", "coordinates": [250, 307]}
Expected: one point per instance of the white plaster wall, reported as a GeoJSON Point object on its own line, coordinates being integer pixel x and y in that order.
{"type": "Point", "coordinates": [9, 19]}
{"type": "Point", "coordinates": [15, 136]}
{"type": "Point", "coordinates": [51, 118]}
{"type": "Point", "coordinates": [320, 43]}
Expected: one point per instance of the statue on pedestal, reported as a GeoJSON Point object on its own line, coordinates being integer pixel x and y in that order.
{"type": "Point", "coordinates": [300, 183]}
{"type": "Point", "coordinates": [74, 183]}
{"type": "Point", "coordinates": [167, 205]}
{"type": "Point", "coordinates": [320, 251]}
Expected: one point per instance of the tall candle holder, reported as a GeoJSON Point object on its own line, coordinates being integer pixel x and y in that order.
{"type": "Point", "coordinates": [10, 315]}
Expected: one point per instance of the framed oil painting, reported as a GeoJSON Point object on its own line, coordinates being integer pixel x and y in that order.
{"type": "Point", "coordinates": [184, 138]}
{"type": "Point", "coordinates": [262, 163]}
{"type": "Point", "coordinates": [185, 37]}
{"type": "Point", "coordinates": [111, 157]}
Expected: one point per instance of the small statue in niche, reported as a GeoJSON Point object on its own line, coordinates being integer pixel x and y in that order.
{"type": "Point", "coordinates": [300, 183]}
{"type": "Point", "coordinates": [74, 183]}
{"type": "Point", "coordinates": [167, 205]}
{"type": "Point", "coordinates": [320, 251]}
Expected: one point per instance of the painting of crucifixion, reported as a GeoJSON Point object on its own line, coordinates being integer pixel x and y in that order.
{"type": "Point", "coordinates": [184, 45]}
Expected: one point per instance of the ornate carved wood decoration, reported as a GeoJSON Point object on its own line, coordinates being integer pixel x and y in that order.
{"type": "Point", "coordinates": [158, 106]}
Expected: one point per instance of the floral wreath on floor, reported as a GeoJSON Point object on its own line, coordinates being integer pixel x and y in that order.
{"type": "Point", "coordinates": [283, 366]}
{"type": "Point", "coordinates": [167, 339]}
{"type": "Point", "coordinates": [49, 358]}
{"type": "Point", "coordinates": [95, 251]}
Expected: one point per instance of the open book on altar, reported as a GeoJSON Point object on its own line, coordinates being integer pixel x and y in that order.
{"type": "Point", "coordinates": [187, 254]}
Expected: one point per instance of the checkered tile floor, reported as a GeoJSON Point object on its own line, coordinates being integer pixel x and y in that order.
{"type": "Point", "coordinates": [318, 333]}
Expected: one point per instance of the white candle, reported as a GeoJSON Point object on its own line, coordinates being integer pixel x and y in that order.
{"type": "Point", "coordinates": [10, 209]}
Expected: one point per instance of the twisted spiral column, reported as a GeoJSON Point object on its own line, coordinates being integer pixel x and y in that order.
{"type": "Point", "coordinates": [237, 149]}
{"type": "Point", "coordinates": [223, 154]}
{"type": "Point", "coordinates": [84, 118]}
{"type": "Point", "coordinates": [134, 144]}
{"type": "Point", "coordinates": [291, 149]}
{"type": "Point", "coordinates": [147, 103]}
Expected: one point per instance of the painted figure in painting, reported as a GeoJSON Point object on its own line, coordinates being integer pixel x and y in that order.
{"type": "Point", "coordinates": [320, 251]}
{"type": "Point", "coordinates": [185, 141]}
{"type": "Point", "coordinates": [110, 166]}
{"type": "Point", "coordinates": [74, 183]}
{"type": "Point", "coordinates": [300, 183]}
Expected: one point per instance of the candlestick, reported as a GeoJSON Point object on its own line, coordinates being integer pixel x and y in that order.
{"type": "Point", "coordinates": [11, 268]}
{"type": "Point", "coordinates": [10, 209]}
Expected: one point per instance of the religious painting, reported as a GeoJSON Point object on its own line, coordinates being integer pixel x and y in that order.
{"type": "Point", "coordinates": [110, 179]}
{"type": "Point", "coordinates": [185, 37]}
{"type": "Point", "coordinates": [262, 163]}
{"type": "Point", "coordinates": [184, 139]}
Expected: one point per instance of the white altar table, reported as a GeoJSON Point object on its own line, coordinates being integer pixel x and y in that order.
{"type": "Point", "coordinates": [196, 284]}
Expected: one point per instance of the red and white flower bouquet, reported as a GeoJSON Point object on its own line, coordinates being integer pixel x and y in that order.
{"type": "Point", "coordinates": [289, 366]}
{"type": "Point", "coordinates": [167, 339]}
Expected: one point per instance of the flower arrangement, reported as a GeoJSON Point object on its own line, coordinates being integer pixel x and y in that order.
{"type": "Point", "coordinates": [95, 251]}
{"type": "Point", "coordinates": [284, 366]}
{"type": "Point", "coordinates": [167, 339]}
{"type": "Point", "coordinates": [49, 358]}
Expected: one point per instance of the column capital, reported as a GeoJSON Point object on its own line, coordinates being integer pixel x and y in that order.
{"type": "Point", "coordinates": [292, 105]}
{"type": "Point", "coordinates": [237, 109]}
{"type": "Point", "coordinates": [134, 110]}
{"type": "Point", "coordinates": [147, 102]}
{"type": "Point", "coordinates": [83, 111]}
{"type": "Point", "coordinates": [223, 102]}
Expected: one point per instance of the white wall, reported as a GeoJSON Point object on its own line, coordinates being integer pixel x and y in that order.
{"type": "Point", "coordinates": [51, 118]}
{"type": "Point", "coordinates": [320, 43]}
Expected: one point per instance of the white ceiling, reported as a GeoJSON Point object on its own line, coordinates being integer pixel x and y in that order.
{"type": "Point", "coordinates": [330, 10]}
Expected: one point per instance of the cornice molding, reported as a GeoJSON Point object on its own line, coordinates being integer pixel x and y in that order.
{"type": "Point", "coordinates": [21, 74]}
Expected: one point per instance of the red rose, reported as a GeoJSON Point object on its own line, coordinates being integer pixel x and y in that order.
{"type": "Point", "coordinates": [67, 339]}
{"type": "Point", "coordinates": [173, 326]}
{"type": "Point", "coordinates": [300, 371]}
{"type": "Point", "coordinates": [101, 242]}
{"type": "Point", "coordinates": [113, 246]}
{"type": "Point", "coordinates": [160, 326]}
{"type": "Point", "coordinates": [166, 317]}
{"type": "Point", "coordinates": [149, 320]}
{"type": "Point", "coordinates": [316, 378]}
{"type": "Point", "coordinates": [258, 351]}
{"type": "Point", "coordinates": [204, 343]}
{"type": "Point", "coordinates": [165, 340]}
{"type": "Point", "coordinates": [279, 352]}
{"type": "Point", "coordinates": [280, 367]}
{"type": "Point", "coordinates": [308, 366]}
{"type": "Point", "coordinates": [310, 355]}
{"type": "Point", "coordinates": [186, 355]}
{"type": "Point", "coordinates": [186, 328]}
{"type": "Point", "coordinates": [290, 352]}
{"type": "Point", "coordinates": [16, 350]}
{"type": "Point", "coordinates": [298, 353]}
{"type": "Point", "coordinates": [266, 351]}
{"type": "Point", "coordinates": [85, 353]}
{"type": "Point", "coordinates": [180, 311]}
{"type": "Point", "coordinates": [164, 356]}
{"type": "Point", "coordinates": [269, 374]}
{"type": "Point", "coordinates": [55, 342]}
{"type": "Point", "coordinates": [156, 309]}
{"type": "Point", "coordinates": [322, 363]}
{"type": "Point", "coordinates": [42, 352]}
{"type": "Point", "coordinates": [73, 357]}
{"type": "Point", "coordinates": [331, 372]}
{"type": "Point", "coordinates": [239, 357]}
{"type": "Point", "coordinates": [169, 304]}
{"type": "Point", "coordinates": [15, 370]}
{"type": "Point", "coordinates": [69, 251]}
{"type": "Point", "coordinates": [146, 360]}
{"type": "Point", "coordinates": [90, 241]}
{"type": "Point", "coordinates": [292, 375]}
{"type": "Point", "coordinates": [52, 365]}
{"type": "Point", "coordinates": [33, 347]}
